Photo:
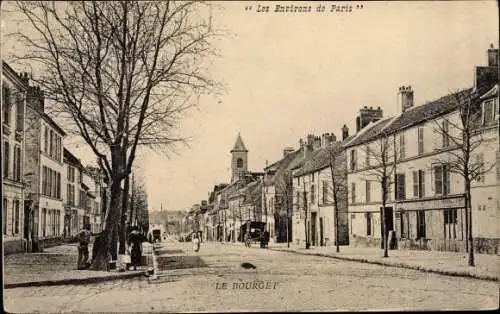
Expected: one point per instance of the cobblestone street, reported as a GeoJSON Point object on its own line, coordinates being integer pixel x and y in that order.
{"type": "Point", "coordinates": [281, 281]}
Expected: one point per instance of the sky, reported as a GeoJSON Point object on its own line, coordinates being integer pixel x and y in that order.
{"type": "Point", "coordinates": [292, 74]}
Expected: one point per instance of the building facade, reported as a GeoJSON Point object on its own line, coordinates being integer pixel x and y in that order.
{"type": "Point", "coordinates": [314, 188]}
{"type": "Point", "coordinates": [425, 206]}
{"type": "Point", "coordinates": [44, 171]}
{"type": "Point", "coordinates": [14, 91]}
{"type": "Point", "coordinates": [73, 197]}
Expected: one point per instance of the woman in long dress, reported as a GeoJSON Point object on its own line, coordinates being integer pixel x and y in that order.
{"type": "Point", "coordinates": [196, 242]}
{"type": "Point", "coordinates": [135, 242]}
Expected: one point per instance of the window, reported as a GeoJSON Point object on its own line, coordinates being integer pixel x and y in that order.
{"type": "Point", "coordinates": [450, 223]}
{"type": "Point", "coordinates": [489, 112]}
{"type": "Point", "coordinates": [368, 188]}
{"type": "Point", "coordinates": [368, 224]}
{"type": "Point", "coordinates": [420, 141]}
{"type": "Point", "coordinates": [368, 156]}
{"type": "Point", "coordinates": [400, 186]}
{"type": "Point", "coordinates": [239, 163]}
{"type": "Point", "coordinates": [418, 184]}
{"type": "Point", "coordinates": [4, 215]}
{"type": "Point", "coordinates": [58, 185]}
{"type": "Point", "coordinates": [420, 224]}
{"type": "Point", "coordinates": [51, 144]}
{"type": "Point", "coordinates": [402, 148]}
{"type": "Point", "coordinates": [353, 159]}
{"type": "Point", "coordinates": [68, 193]}
{"type": "Point", "coordinates": [353, 192]}
{"type": "Point", "coordinates": [44, 222]}
{"type": "Point", "coordinates": [325, 192]}
{"type": "Point", "coordinates": [298, 200]}
{"type": "Point", "coordinates": [17, 163]}
{"type": "Point", "coordinates": [19, 114]}
{"type": "Point", "coordinates": [441, 180]}
{"type": "Point", "coordinates": [480, 167]}
{"type": "Point", "coordinates": [313, 199]}
{"type": "Point", "coordinates": [6, 105]}
{"type": "Point", "coordinates": [404, 224]}
{"type": "Point", "coordinates": [16, 217]}
{"type": "Point", "coordinates": [445, 133]}
{"type": "Point", "coordinates": [6, 153]}
{"type": "Point", "coordinates": [46, 140]}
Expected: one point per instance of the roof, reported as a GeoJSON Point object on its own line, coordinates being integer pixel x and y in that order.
{"type": "Point", "coordinates": [239, 146]}
{"type": "Point", "coordinates": [282, 166]}
{"type": "Point", "coordinates": [53, 124]}
{"type": "Point", "coordinates": [300, 159]}
{"type": "Point", "coordinates": [252, 192]}
{"type": "Point", "coordinates": [13, 76]}
{"type": "Point", "coordinates": [71, 159]}
{"type": "Point", "coordinates": [413, 116]}
{"type": "Point", "coordinates": [320, 160]}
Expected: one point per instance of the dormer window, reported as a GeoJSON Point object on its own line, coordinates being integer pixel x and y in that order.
{"type": "Point", "coordinates": [490, 112]}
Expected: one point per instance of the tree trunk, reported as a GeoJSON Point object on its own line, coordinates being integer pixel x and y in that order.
{"type": "Point", "coordinates": [466, 207]}
{"type": "Point", "coordinates": [337, 228]}
{"type": "Point", "coordinates": [470, 239]}
{"type": "Point", "coordinates": [104, 250]}
{"type": "Point", "coordinates": [122, 228]}
{"type": "Point", "coordinates": [287, 228]}
{"type": "Point", "coordinates": [384, 230]}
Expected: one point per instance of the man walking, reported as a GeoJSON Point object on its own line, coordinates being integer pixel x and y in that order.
{"type": "Point", "coordinates": [83, 247]}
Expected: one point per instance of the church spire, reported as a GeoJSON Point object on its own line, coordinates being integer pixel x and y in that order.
{"type": "Point", "coordinates": [238, 145]}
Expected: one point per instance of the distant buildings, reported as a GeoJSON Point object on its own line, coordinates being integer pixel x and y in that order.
{"type": "Point", "coordinates": [425, 204]}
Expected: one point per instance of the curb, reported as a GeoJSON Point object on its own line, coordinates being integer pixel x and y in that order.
{"type": "Point", "coordinates": [72, 281]}
{"type": "Point", "coordinates": [398, 265]}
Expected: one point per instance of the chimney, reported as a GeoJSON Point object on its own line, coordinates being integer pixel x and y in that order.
{"type": "Point", "coordinates": [486, 76]}
{"type": "Point", "coordinates": [492, 56]}
{"type": "Point", "coordinates": [317, 142]}
{"type": "Point", "coordinates": [327, 138]}
{"type": "Point", "coordinates": [287, 150]}
{"type": "Point", "coordinates": [310, 139]}
{"type": "Point", "coordinates": [367, 115]}
{"type": "Point", "coordinates": [405, 98]}
{"type": "Point", "coordinates": [345, 132]}
{"type": "Point", "coordinates": [35, 98]}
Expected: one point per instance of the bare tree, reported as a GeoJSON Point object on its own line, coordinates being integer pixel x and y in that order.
{"type": "Point", "coordinates": [123, 72]}
{"type": "Point", "coordinates": [383, 152]}
{"type": "Point", "coordinates": [284, 194]}
{"type": "Point", "coordinates": [338, 189]}
{"type": "Point", "coordinates": [462, 137]}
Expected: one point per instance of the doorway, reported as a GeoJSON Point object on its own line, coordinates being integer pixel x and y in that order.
{"type": "Point", "coordinates": [389, 222]}
{"type": "Point", "coordinates": [314, 238]}
{"type": "Point", "coordinates": [321, 237]}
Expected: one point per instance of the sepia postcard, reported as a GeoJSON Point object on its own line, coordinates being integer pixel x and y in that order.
{"type": "Point", "coordinates": [249, 156]}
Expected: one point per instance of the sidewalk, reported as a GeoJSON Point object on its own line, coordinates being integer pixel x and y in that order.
{"type": "Point", "coordinates": [445, 263]}
{"type": "Point", "coordinates": [57, 266]}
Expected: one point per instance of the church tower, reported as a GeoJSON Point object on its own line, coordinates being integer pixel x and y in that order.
{"type": "Point", "coordinates": [239, 163]}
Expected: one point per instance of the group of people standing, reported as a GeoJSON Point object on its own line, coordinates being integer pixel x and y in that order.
{"type": "Point", "coordinates": [134, 244]}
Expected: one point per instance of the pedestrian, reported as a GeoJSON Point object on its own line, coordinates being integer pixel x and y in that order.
{"type": "Point", "coordinates": [135, 242]}
{"type": "Point", "coordinates": [196, 242]}
{"type": "Point", "coordinates": [83, 247]}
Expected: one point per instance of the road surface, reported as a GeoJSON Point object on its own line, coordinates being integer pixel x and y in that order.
{"type": "Point", "coordinates": [214, 280]}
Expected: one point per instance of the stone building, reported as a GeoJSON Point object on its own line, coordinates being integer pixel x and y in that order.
{"type": "Point", "coordinates": [425, 207]}
{"type": "Point", "coordinates": [73, 199]}
{"type": "Point", "coordinates": [44, 169]}
{"type": "Point", "coordinates": [14, 90]}
{"type": "Point", "coordinates": [313, 188]}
